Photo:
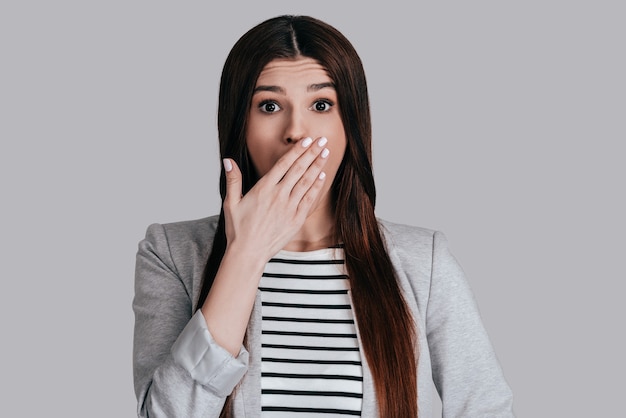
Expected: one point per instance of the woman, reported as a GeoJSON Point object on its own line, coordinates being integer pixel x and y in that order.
{"type": "Point", "coordinates": [296, 299]}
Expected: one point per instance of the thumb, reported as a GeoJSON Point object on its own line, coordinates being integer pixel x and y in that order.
{"type": "Point", "coordinates": [233, 181]}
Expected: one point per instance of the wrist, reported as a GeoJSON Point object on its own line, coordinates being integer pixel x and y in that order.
{"type": "Point", "coordinates": [245, 256]}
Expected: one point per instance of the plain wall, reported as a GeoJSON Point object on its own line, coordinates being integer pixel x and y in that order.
{"type": "Point", "coordinates": [508, 116]}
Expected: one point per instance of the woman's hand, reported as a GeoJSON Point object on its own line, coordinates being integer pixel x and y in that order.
{"type": "Point", "coordinates": [258, 225]}
{"type": "Point", "coordinates": [270, 214]}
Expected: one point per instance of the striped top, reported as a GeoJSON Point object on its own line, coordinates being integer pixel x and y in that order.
{"type": "Point", "coordinates": [310, 365]}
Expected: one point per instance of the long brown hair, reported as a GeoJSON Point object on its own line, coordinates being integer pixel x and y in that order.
{"type": "Point", "coordinates": [385, 324]}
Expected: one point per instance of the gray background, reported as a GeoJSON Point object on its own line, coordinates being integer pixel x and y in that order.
{"type": "Point", "coordinates": [507, 118]}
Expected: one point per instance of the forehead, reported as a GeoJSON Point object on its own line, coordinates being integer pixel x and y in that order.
{"type": "Point", "coordinates": [292, 70]}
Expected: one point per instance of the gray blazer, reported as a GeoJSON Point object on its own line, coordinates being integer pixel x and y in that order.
{"type": "Point", "coordinates": [179, 371]}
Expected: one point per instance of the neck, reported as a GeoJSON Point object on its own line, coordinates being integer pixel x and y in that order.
{"type": "Point", "coordinates": [317, 232]}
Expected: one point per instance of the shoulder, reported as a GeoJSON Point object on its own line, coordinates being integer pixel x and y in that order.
{"type": "Point", "coordinates": [197, 230]}
{"type": "Point", "coordinates": [175, 234]}
{"type": "Point", "coordinates": [405, 231]}
{"type": "Point", "coordinates": [186, 243]}
{"type": "Point", "coordinates": [403, 238]}
{"type": "Point", "coordinates": [413, 248]}
{"type": "Point", "coordinates": [190, 232]}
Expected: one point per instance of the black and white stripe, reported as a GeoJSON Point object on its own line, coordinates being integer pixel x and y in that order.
{"type": "Point", "coordinates": [311, 365]}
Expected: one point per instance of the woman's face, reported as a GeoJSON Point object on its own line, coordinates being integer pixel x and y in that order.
{"type": "Point", "coordinates": [294, 99]}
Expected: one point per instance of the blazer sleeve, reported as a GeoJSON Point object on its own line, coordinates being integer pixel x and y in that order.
{"type": "Point", "coordinates": [465, 369]}
{"type": "Point", "coordinates": [179, 370]}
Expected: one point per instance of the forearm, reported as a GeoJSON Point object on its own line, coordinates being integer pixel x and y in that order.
{"type": "Point", "coordinates": [229, 303]}
{"type": "Point", "coordinates": [179, 370]}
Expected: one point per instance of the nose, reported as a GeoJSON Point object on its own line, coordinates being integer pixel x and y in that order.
{"type": "Point", "coordinates": [296, 127]}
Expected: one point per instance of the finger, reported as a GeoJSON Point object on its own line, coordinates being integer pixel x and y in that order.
{"type": "Point", "coordinates": [302, 164]}
{"type": "Point", "coordinates": [305, 182]}
{"type": "Point", "coordinates": [277, 172]}
{"type": "Point", "coordinates": [311, 195]}
{"type": "Point", "coordinates": [233, 182]}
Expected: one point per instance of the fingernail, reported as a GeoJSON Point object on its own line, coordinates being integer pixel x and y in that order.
{"type": "Point", "coordinates": [228, 166]}
{"type": "Point", "coordinates": [325, 152]}
{"type": "Point", "coordinates": [322, 175]}
{"type": "Point", "coordinates": [322, 141]}
{"type": "Point", "coordinates": [306, 142]}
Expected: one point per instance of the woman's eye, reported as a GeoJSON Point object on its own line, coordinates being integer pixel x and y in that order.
{"type": "Point", "coordinates": [322, 106]}
{"type": "Point", "coordinates": [269, 107]}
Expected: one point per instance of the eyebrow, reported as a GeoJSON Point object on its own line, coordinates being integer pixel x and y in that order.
{"type": "Point", "coordinates": [319, 86]}
{"type": "Point", "coordinates": [274, 89]}
{"type": "Point", "coordinates": [278, 89]}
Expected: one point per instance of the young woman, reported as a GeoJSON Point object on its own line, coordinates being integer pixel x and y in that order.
{"type": "Point", "coordinates": [296, 300]}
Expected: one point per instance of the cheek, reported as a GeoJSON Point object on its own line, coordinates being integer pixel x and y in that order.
{"type": "Point", "coordinates": [256, 142]}
{"type": "Point", "coordinates": [333, 130]}
{"type": "Point", "coordinates": [260, 155]}
{"type": "Point", "coordinates": [337, 151]}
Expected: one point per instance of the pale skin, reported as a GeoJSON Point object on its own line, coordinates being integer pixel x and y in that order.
{"type": "Point", "coordinates": [296, 140]}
